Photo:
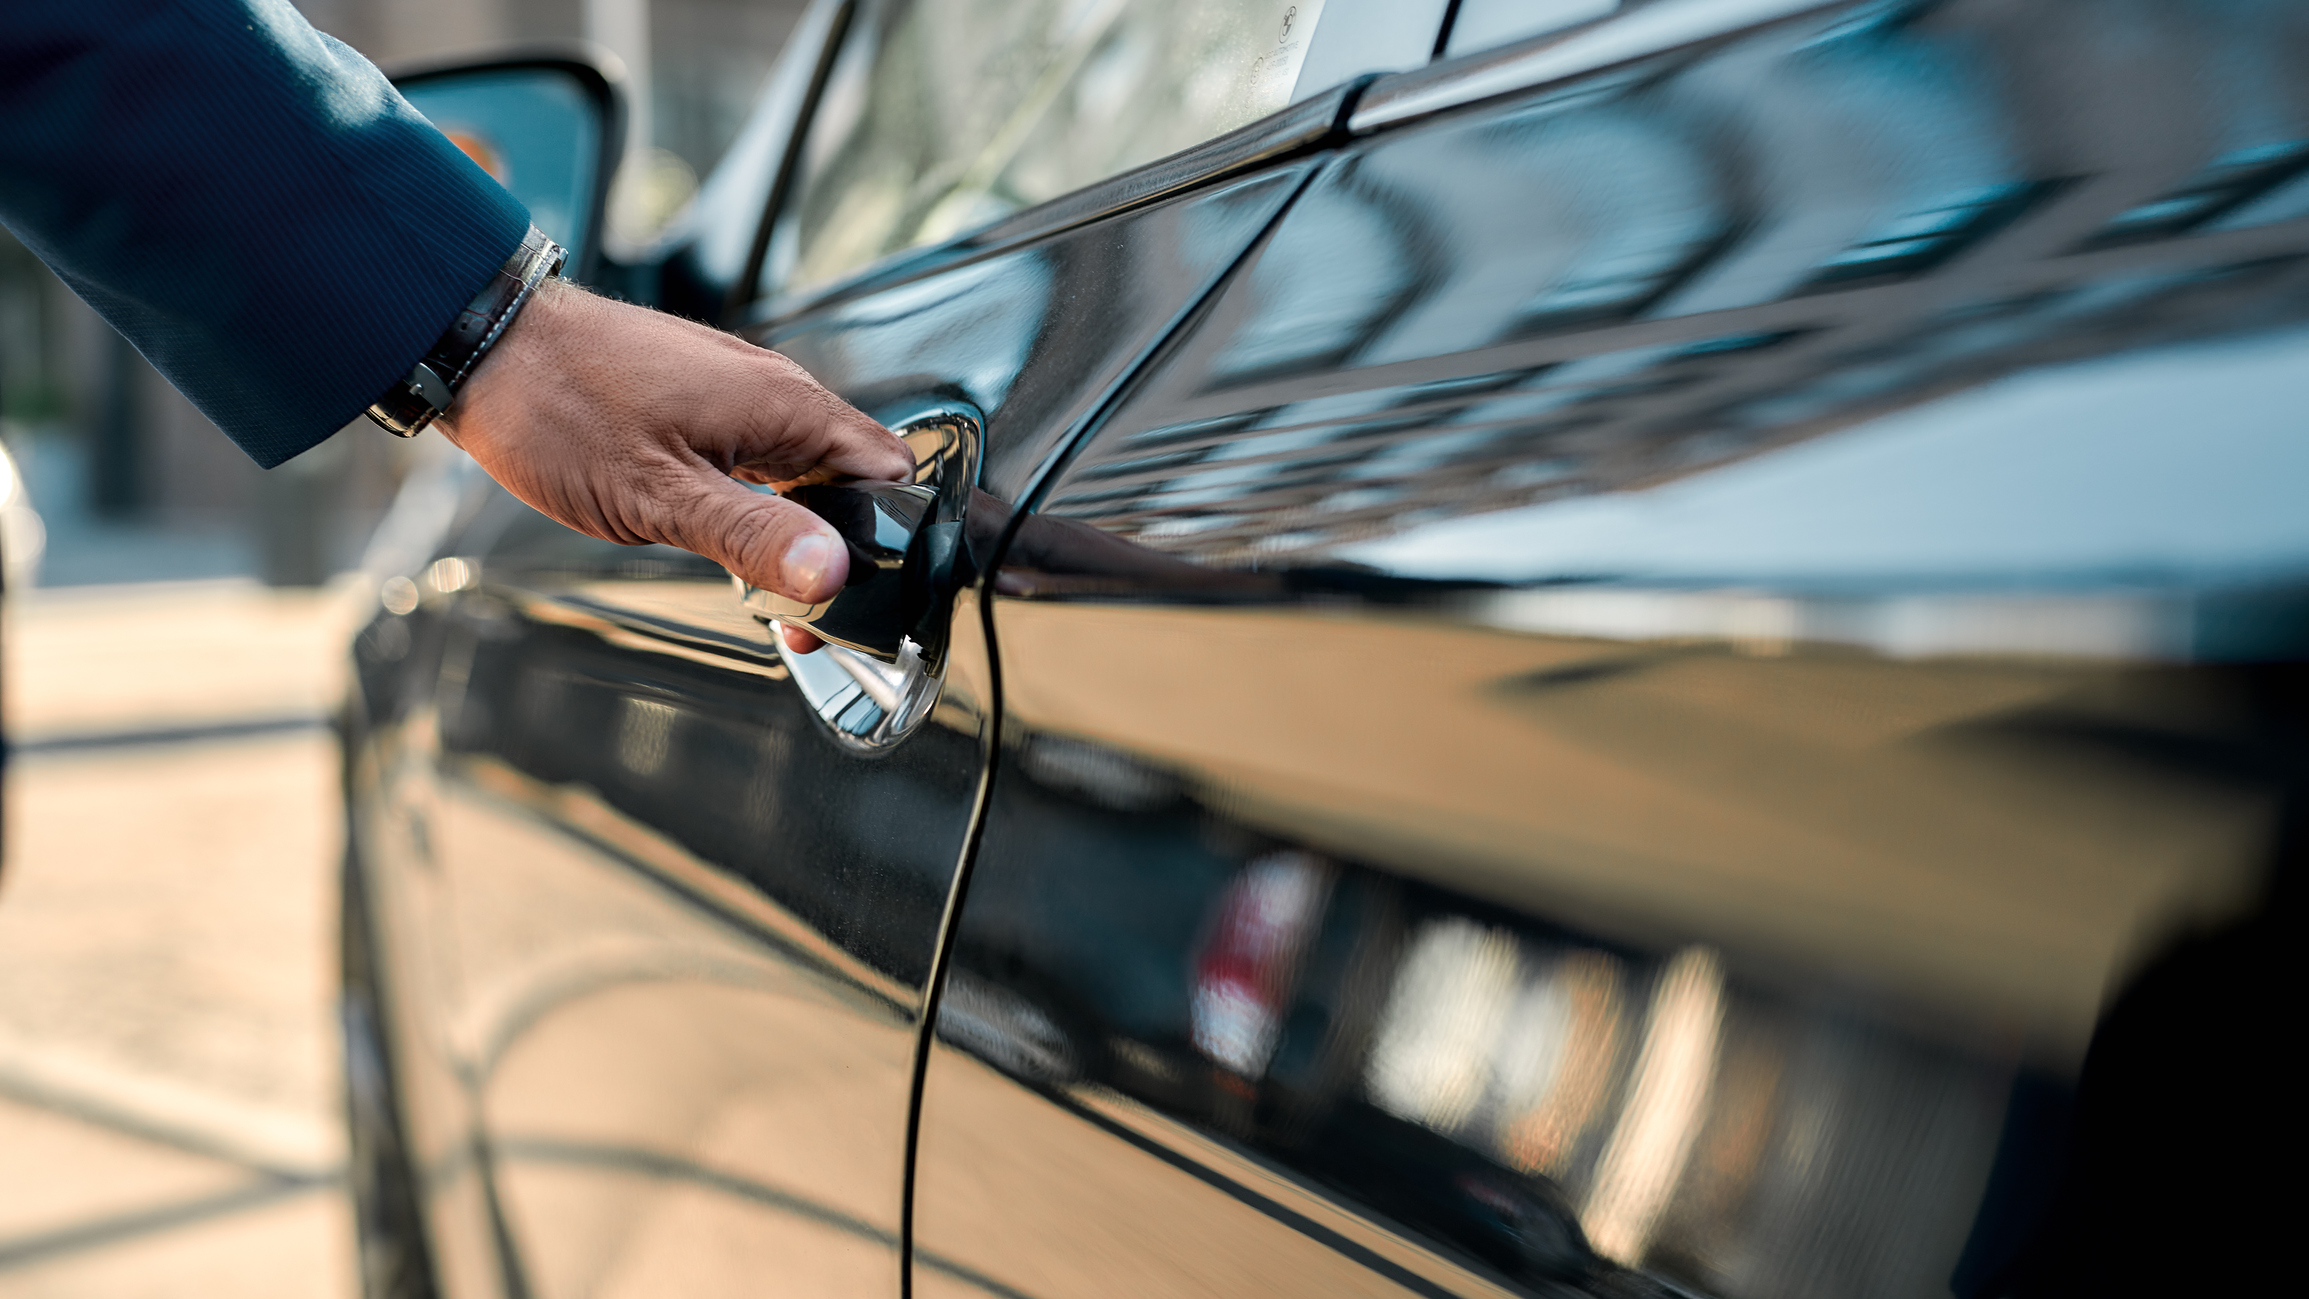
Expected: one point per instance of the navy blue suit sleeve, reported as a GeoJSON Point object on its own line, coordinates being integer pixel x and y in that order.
{"type": "Point", "coordinates": [246, 199]}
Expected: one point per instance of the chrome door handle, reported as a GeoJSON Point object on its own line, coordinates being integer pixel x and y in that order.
{"type": "Point", "coordinates": [908, 550]}
{"type": "Point", "coordinates": [895, 568]}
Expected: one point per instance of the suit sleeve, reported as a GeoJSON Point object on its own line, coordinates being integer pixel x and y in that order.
{"type": "Point", "coordinates": [246, 199]}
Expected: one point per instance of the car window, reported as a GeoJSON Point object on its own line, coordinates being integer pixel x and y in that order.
{"type": "Point", "coordinates": [1482, 24]}
{"type": "Point", "coordinates": [942, 115]}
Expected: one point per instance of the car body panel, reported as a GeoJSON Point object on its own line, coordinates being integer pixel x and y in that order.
{"type": "Point", "coordinates": [1683, 637]}
{"type": "Point", "coordinates": [638, 1005]}
{"type": "Point", "coordinates": [669, 932]}
{"type": "Point", "coordinates": [1663, 673]}
{"type": "Point", "coordinates": [1037, 335]}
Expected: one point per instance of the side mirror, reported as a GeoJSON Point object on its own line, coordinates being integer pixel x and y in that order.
{"type": "Point", "coordinates": [548, 127]}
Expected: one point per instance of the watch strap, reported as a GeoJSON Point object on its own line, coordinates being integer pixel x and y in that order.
{"type": "Point", "coordinates": [414, 402]}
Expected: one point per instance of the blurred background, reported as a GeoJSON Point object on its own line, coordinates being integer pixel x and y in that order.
{"type": "Point", "coordinates": [175, 619]}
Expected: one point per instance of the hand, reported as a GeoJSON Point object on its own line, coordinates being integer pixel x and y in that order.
{"type": "Point", "coordinates": [631, 425]}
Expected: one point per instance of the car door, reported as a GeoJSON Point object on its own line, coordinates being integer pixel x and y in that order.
{"type": "Point", "coordinates": [1657, 680]}
{"type": "Point", "coordinates": [691, 884]}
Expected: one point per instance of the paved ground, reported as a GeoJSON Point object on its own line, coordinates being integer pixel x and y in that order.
{"type": "Point", "coordinates": [168, 1085]}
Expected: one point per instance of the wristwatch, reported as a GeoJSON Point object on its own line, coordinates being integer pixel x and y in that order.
{"type": "Point", "coordinates": [408, 406]}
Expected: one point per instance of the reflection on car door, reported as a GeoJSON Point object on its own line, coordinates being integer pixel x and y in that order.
{"type": "Point", "coordinates": [1035, 336]}
{"type": "Point", "coordinates": [1611, 716]}
{"type": "Point", "coordinates": [693, 907]}
{"type": "Point", "coordinates": [687, 942]}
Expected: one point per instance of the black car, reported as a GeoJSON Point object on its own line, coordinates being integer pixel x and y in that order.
{"type": "Point", "coordinates": [1543, 649]}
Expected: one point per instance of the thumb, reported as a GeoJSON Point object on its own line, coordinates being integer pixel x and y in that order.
{"type": "Point", "coordinates": [767, 541]}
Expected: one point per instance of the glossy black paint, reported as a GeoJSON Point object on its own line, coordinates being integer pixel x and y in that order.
{"type": "Point", "coordinates": [621, 849]}
{"type": "Point", "coordinates": [663, 888]}
{"type": "Point", "coordinates": [1038, 335]}
{"type": "Point", "coordinates": [1724, 894]}
{"type": "Point", "coordinates": [1680, 680]}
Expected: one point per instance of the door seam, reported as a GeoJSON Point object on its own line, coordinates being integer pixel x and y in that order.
{"type": "Point", "coordinates": [1091, 424]}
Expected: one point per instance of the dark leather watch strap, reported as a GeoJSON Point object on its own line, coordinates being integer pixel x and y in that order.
{"type": "Point", "coordinates": [408, 406]}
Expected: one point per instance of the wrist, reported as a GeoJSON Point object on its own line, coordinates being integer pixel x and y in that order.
{"type": "Point", "coordinates": [497, 389]}
{"type": "Point", "coordinates": [432, 385]}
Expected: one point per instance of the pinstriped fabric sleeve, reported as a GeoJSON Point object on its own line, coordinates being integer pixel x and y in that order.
{"type": "Point", "coordinates": [246, 199]}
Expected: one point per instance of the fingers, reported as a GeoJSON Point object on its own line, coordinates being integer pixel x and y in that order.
{"type": "Point", "coordinates": [799, 641]}
{"type": "Point", "coordinates": [809, 435]}
{"type": "Point", "coordinates": [634, 426]}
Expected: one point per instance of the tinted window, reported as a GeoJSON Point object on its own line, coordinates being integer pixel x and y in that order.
{"type": "Point", "coordinates": [1482, 24]}
{"type": "Point", "coordinates": [940, 117]}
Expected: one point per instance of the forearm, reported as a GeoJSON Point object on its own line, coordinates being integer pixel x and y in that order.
{"type": "Point", "coordinates": [244, 198]}
{"type": "Point", "coordinates": [257, 210]}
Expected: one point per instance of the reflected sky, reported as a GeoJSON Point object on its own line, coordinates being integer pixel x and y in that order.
{"type": "Point", "coordinates": [2038, 330]}
{"type": "Point", "coordinates": [2184, 465]}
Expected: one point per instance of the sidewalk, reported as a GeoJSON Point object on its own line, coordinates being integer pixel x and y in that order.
{"type": "Point", "coordinates": [168, 1069]}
